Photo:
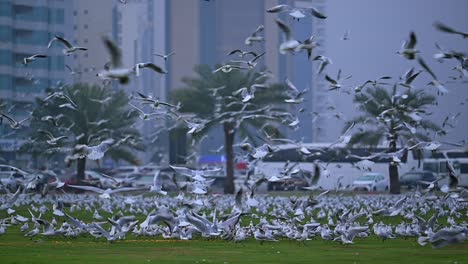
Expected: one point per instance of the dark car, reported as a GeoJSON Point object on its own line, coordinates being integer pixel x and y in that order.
{"type": "Point", "coordinates": [416, 178]}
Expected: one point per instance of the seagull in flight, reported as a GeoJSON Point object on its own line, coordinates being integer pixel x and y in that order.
{"type": "Point", "coordinates": [254, 36]}
{"type": "Point", "coordinates": [228, 68]}
{"type": "Point", "coordinates": [166, 56]}
{"type": "Point", "coordinates": [13, 123]}
{"type": "Point", "coordinates": [104, 194]}
{"type": "Point", "coordinates": [32, 58]}
{"type": "Point", "coordinates": [242, 54]}
{"type": "Point", "coordinates": [334, 84]}
{"type": "Point", "coordinates": [69, 48]}
{"type": "Point", "coordinates": [297, 13]}
{"type": "Point", "coordinates": [290, 44]}
{"type": "Point", "coordinates": [408, 49]}
{"type": "Point", "coordinates": [435, 82]}
{"type": "Point", "coordinates": [324, 61]}
{"type": "Point", "coordinates": [251, 63]}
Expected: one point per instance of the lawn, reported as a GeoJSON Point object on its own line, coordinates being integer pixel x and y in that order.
{"type": "Point", "coordinates": [14, 248]}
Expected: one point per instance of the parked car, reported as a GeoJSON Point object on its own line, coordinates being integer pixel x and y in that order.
{"type": "Point", "coordinates": [370, 182]}
{"type": "Point", "coordinates": [412, 179]}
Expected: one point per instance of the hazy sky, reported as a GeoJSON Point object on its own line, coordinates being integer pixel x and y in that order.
{"type": "Point", "coordinates": [378, 29]}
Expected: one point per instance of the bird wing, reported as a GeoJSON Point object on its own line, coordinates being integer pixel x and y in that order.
{"type": "Point", "coordinates": [153, 67]}
{"type": "Point", "coordinates": [329, 79]}
{"type": "Point", "coordinates": [39, 56]}
{"type": "Point", "coordinates": [64, 42]}
{"type": "Point", "coordinates": [286, 30]}
{"type": "Point", "coordinates": [424, 65]}
{"type": "Point", "coordinates": [258, 30]}
{"type": "Point", "coordinates": [279, 8]}
{"type": "Point", "coordinates": [317, 13]}
{"type": "Point", "coordinates": [291, 86]}
{"type": "Point", "coordinates": [115, 52]}
{"type": "Point", "coordinates": [412, 41]}
{"type": "Point", "coordinates": [87, 188]}
{"type": "Point", "coordinates": [234, 52]}
{"type": "Point", "coordinates": [447, 29]}
{"type": "Point", "coordinates": [256, 58]}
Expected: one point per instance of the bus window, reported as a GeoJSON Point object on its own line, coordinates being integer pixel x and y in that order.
{"type": "Point", "coordinates": [431, 166]}
{"type": "Point", "coordinates": [443, 167]}
{"type": "Point", "coordinates": [463, 168]}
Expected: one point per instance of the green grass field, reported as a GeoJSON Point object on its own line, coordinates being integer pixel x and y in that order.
{"type": "Point", "coordinates": [16, 249]}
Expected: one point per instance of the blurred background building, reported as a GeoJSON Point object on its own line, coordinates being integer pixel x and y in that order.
{"type": "Point", "coordinates": [204, 32]}
{"type": "Point", "coordinates": [25, 29]}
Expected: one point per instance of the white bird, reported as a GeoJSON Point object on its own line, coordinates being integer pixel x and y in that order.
{"type": "Point", "coordinates": [94, 152]}
{"type": "Point", "coordinates": [32, 58]}
{"type": "Point", "coordinates": [324, 61]}
{"type": "Point", "coordinates": [69, 48]}
{"type": "Point", "coordinates": [228, 68]}
{"type": "Point", "coordinates": [157, 184]}
{"type": "Point", "coordinates": [297, 13]}
{"type": "Point", "coordinates": [254, 36]}
{"type": "Point", "coordinates": [308, 45]}
{"type": "Point", "coordinates": [13, 123]}
{"type": "Point", "coordinates": [105, 194]}
{"type": "Point", "coordinates": [251, 63]}
{"type": "Point", "coordinates": [435, 82]}
{"type": "Point", "coordinates": [334, 84]}
{"type": "Point", "coordinates": [408, 49]}
{"type": "Point", "coordinates": [242, 54]}
{"type": "Point", "coordinates": [289, 44]}
{"type": "Point", "coordinates": [164, 56]}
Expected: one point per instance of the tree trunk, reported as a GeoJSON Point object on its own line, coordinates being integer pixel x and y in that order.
{"type": "Point", "coordinates": [393, 170]}
{"type": "Point", "coordinates": [80, 170]}
{"type": "Point", "coordinates": [229, 135]}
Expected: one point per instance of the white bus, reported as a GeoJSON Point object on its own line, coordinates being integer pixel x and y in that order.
{"type": "Point", "coordinates": [437, 164]}
{"type": "Point", "coordinates": [338, 166]}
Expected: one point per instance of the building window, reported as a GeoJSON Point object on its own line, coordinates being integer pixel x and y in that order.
{"type": "Point", "coordinates": [75, 27]}
{"type": "Point", "coordinates": [75, 13]}
{"type": "Point", "coordinates": [85, 11]}
{"type": "Point", "coordinates": [85, 26]}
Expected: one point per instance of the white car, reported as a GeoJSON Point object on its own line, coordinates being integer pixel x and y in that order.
{"type": "Point", "coordinates": [370, 182]}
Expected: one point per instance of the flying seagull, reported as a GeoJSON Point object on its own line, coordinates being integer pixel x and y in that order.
{"type": "Point", "coordinates": [242, 54]}
{"type": "Point", "coordinates": [254, 36]}
{"type": "Point", "coordinates": [297, 13]}
{"type": "Point", "coordinates": [32, 58]}
{"type": "Point", "coordinates": [408, 49]}
{"type": "Point", "coordinates": [435, 82]}
{"type": "Point", "coordinates": [290, 44]}
{"type": "Point", "coordinates": [166, 56]}
{"type": "Point", "coordinates": [69, 48]}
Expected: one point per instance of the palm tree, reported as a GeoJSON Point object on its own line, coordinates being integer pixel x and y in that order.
{"type": "Point", "coordinates": [394, 117]}
{"type": "Point", "coordinates": [209, 96]}
{"type": "Point", "coordinates": [85, 115]}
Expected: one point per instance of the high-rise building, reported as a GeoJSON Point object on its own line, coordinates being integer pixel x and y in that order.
{"type": "Point", "coordinates": [218, 27]}
{"type": "Point", "coordinates": [140, 31]}
{"type": "Point", "coordinates": [91, 20]}
{"type": "Point", "coordinates": [25, 29]}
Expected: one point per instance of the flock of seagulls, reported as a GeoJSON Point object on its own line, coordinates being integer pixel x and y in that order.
{"type": "Point", "coordinates": [196, 211]}
{"type": "Point", "coordinates": [426, 218]}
